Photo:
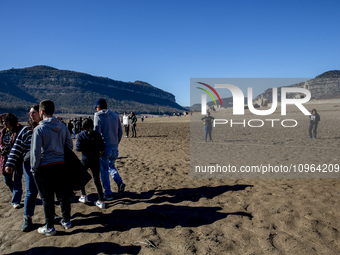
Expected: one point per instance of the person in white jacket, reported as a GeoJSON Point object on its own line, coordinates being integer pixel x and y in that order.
{"type": "Point", "coordinates": [126, 124]}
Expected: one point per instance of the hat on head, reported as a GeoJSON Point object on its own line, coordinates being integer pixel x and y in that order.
{"type": "Point", "coordinates": [101, 102]}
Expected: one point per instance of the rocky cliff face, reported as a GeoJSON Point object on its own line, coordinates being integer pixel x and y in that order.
{"type": "Point", "coordinates": [326, 85]}
{"type": "Point", "coordinates": [77, 92]}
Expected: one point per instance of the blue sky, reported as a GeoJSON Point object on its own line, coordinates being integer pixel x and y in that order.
{"type": "Point", "coordinates": [165, 43]}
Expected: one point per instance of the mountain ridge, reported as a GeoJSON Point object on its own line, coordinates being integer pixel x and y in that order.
{"type": "Point", "coordinates": [76, 92]}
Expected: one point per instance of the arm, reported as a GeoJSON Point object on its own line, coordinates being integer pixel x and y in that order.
{"type": "Point", "coordinates": [19, 147]}
{"type": "Point", "coordinates": [97, 124]}
{"type": "Point", "coordinates": [69, 142]}
{"type": "Point", "coordinates": [120, 132]}
{"type": "Point", "coordinates": [78, 144]}
{"type": "Point", "coordinates": [36, 146]}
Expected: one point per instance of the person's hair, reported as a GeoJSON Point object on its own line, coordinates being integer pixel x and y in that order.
{"type": "Point", "coordinates": [87, 124]}
{"type": "Point", "coordinates": [11, 118]}
{"type": "Point", "coordinates": [125, 112]}
{"type": "Point", "coordinates": [31, 123]}
{"type": "Point", "coordinates": [47, 106]}
{"type": "Point", "coordinates": [132, 113]}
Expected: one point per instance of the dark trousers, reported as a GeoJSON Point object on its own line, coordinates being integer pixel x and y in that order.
{"type": "Point", "coordinates": [126, 130]}
{"type": "Point", "coordinates": [94, 165]}
{"type": "Point", "coordinates": [50, 180]}
{"type": "Point", "coordinates": [207, 130]}
{"type": "Point", "coordinates": [312, 127]}
{"type": "Point", "coordinates": [133, 129]}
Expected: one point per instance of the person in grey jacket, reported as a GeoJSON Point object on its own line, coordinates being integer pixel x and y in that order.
{"type": "Point", "coordinates": [107, 123]}
{"type": "Point", "coordinates": [48, 167]}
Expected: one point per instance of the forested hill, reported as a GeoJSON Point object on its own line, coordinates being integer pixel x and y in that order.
{"type": "Point", "coordinates": [75, 92]}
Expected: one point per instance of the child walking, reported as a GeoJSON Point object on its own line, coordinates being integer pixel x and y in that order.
{"type": "Point", "coordinates": [91, 144]}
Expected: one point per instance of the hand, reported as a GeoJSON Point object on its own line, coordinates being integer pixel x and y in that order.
{"type": "Point", "coordinates": [101, 153]}
{"type": "Point", "coordinates": [8, 170]}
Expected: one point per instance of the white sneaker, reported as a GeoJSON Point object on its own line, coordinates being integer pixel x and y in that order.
{"type": "Point", "coordinates": [16, 206]}
{"type": "Point", "coordinates": [83, 199]}
{"type": "Point", "coordinates": [100, 204]}
{"type": "Point", "coordinates": [46, 231]}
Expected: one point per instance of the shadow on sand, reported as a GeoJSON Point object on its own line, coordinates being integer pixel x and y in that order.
{"type": "Point", "coordinates": [163, 215]}
{"type": "Point", "coordinates": [90, 248]}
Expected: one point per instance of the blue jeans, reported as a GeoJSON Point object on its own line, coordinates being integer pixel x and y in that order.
{"type": "Point", "coordinates": [107, 165]}
{"type": "Point", "coordinates": [31, 191]}
{"type": "Point", "coordinates": [15, 186]}
{"type": "Point", "coordinates": [207, 130]}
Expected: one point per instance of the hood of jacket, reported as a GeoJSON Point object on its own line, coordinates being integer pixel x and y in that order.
{"type": "Point", "coordinates": [53, 123]}
{"type": "Point", "coordinates": [104, 113]}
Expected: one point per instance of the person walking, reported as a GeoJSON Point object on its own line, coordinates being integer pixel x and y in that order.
{"type": "Point", "coordinates": [133, 124]}
{"type": "Point", "coordinates": [126, 124]}
{"type": "Point", "coordinates": [70, 126]}
{"type": "Point", "coordinates": [107, 124]}
{"type": "Point", "coordinates": [91, 145]}
{"type": "Point", "coordinates": [313, 124]}
{"type": "Point", "coordinates": [8, 135]}
{"type": "Point", "coordinates": [74, 130]}
{"type": "Point", "coordinates": [207, 121]}
{"type": "Point", "coordinates": [78, 125]}
{"type": "Point", "coordinates": [49, 139]}
{"type": "Point", "coordinates": [21, 153]}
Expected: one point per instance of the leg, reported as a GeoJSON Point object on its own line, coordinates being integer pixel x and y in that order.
{"type": "Point", "coordinates": [310, 130]}
{"type": "Point", "coordinates": [112, 168]}
{"type": "Point", "coordinates": [133, 130]}
{"type": "Point", "coordinates": [205, 133]}
{"type": "Point", "coordinates": [86, 166]}
{"type": "Point", "coordinates": [315, 126]}
{"type": "Point", "coordinates": [8, 180]}
{"type": "Point", "coordinates": [31, 192]}
{"type": "Point", "coordinates": [209, 132]}
{"type": "Point", "coordinates": [95, 168]}
{"type": "Point", "coordinates": [65, 205]}
{"type": "Point", "coordinates": [45, 188]}
{"type": "Point", "coordinates": [104, 171]}
{"type": "Point", "coordinates": [17, 188]}
{"type": "Point", "coordinates": [62, 194]}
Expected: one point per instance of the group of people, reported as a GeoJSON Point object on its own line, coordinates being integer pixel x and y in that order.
{"type": "Point", "coordinates": [126, 120]}
{"type": "Point", "coordinates": [37, 151]}
{"type": "Point", "coordinates": [314, 119]}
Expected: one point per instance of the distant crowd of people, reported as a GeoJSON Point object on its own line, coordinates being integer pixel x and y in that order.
{"type": "Point", "coordinates": [37, 152]}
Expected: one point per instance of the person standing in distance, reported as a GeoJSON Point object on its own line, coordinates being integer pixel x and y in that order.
{"type": "Point", "coordinates": [126, 124]}
{"type": "Point", "coordinates": [133, 124]}
{"type": "Point", "coordinates": [313, 123]}
{"type": "Point", "coordinates": [48, 167]}
{"type": "Point", "coordinates": [207, 121]}
{"type": "Point", "coordinates": [107, 124]}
